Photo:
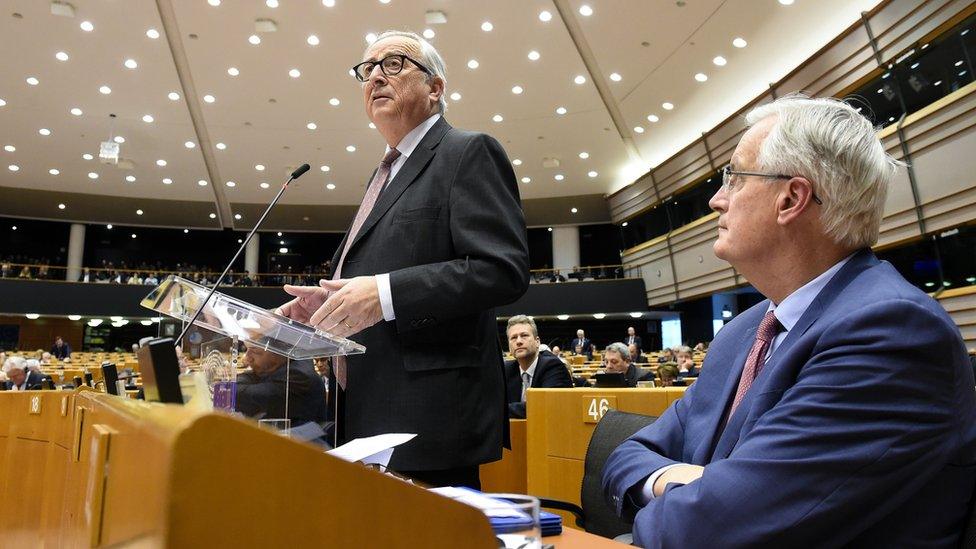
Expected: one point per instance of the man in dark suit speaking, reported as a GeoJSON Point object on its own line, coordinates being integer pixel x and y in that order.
{"type": "Point", "coordinates": [531, 367]}
{"type": "Point", "coordinates": [438, 242]}
{"type": "Point", "coordinates": [840, 411]}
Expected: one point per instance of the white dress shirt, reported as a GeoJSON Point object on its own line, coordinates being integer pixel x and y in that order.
{"type": "Point", "coordinates": [788, 313]}
{"type": "Point", "coordinates": [406, 147]}
{"type": "Point", "coordinates": [530, 372]}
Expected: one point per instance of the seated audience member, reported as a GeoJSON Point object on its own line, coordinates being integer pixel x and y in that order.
{"type": "Point", "coordinates": [838, 412]}
{"type": "Point", "coordinates": [61, 350]}
{"type": "Point", "coordinates": [632, 338]}
{"type": "Point", "coordinates": [582, 345]}
{"type": "Point", "coordinates": [701, 347]}
{"type": "Point", "coordinates": [635, 354]}
{"type": "Point", "coordinates": [19, 376]}
{"type": "Point", "coordinates": [261, 390]}
{"type": "Point", "coordinates": [531, 367]}
{"type": "Point", "coordinates": [46, 358]}
{"type": "Point", "coordinates": [151, 280]}
{"type": "Point", "coordinates": [666, 374]}
{"type": "Point", "coordinates": [666, 356]}
{"type": "Point", "coordinates": [25, 272]}
{"type": "Point", "coordinates": [616, 360]}
{"type": "Point", "coordinates": [686, 364]}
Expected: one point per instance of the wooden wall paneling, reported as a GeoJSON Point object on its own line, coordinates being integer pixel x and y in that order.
{"type": "Point", "coordinates": [654, 263]}
{"type": "Point", "coordinates": [697, 270]}
{"type": "Point", "coordinates": [961, 305]}
{"type": "Point", "coordinates": [827, 72]}
{"type": "Point", "coordinates": [682, 169]}
{"type": "Point", "coordinates": [633, 198]}
{"type": "Point", "coordinates": [902, 23]}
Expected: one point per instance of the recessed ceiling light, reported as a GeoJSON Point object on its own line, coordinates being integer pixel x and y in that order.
{"type": "Point", "coordinates": [573, 210]}
{"type": "Point", "coordinates": [233, 71]}
{"type": "Point", "coordinates": [487, 26]}
{"type": "Point", "coordinates": [9, 148]}
{"type": "Point", "coordinates": [189, 144]}
{"type": "Point", "coordinates": [139, 212]}
{"type": "Point", "coordinates": [294, 73]}
{"type": "Point", "coordinates": [87, 156]}
{"type": "Point", "coordinates": [87, 26]}
{"type": "Point", "coordinates": [53, 171]}
{"type": "Point", "coordinates": [76, 111]}
{"type": "Point", "coordinates": [324, 168]}
{"type": "Point", "coordinates": [271, 3]}
{"type": "Point", "coordinates": [370, 37]}
{"type": "Point", "coordinates": [584, 155]}
{"type": "Point", "coordinates": [560, 317]}
{"type": "Point", "coordinates": [585, 10]}
{"type": "Point", "coordinates": [214, 3]}
{"type": "Point", "coordinates": [473, 64]}
{"type": "Point", "coordinates": [147, 118]}
{"type": "Point", "coordinates": [560, 110]}
{"type": "Point", "coordinates": [534, 55]}
{"type": "Point", "coordinates": [328, 3]}
{"type": "Point", "coordinates": [254, 39]}
{"type": "Point", "coordinates": [384, 1]}
{"type": "Point", "coordinates": [32, 81]}
{"type": "Point", "coordinates": [133, 235]}
{"type": "Point", "coordinates": [209, 98]}
{"type": "Point", "coordinates": [559, 177]}
{"type": "Point", "coordinates": [545, 16]}
{"type": "Point", "coordinates": [429, 33]}
{"type": "Point", "coordinates": [130, 64]}
{"type": "Point", "coordinates": [264, 185]}
{"type": "Point", "coordinates": [624, 224]}
{"type": "Point", "coordinates": [62, 206]}
{"type": "Point", "coordinates": [652, 118]}
{"type": "Point", "coordinates": [334, 101]}
{"type": "Point", "coordinates": [13, 167]}
{"type": "Point", "coordinates": [616, 77]}
{"type": "Point", "coordinates": [701, 77]}
{"type": "Point", "coordinates": [526, 179]}
{"type": "Point", "coordinates": [455, 96]}
{"type": "Point", "coordinates": [213, 216]}
{"type": "Point", "coordinates": [130, 178]}
{"type": "Point", "coordinates": [330, 186]}
{"type": "Point", "coordinates": [2, 102]}
{"type": "Point", "coordinates": [105, 90]}
{"type": "Point", "coordinates": [44, 131]}
{"type": "Point", "coordinates": [173, 96]}
{"type": "Point", "coordinates": [580, 79]}
{"type": "Point", "coordinates": [118, 139]}
{"type": "Point", "coordinates": [231, 184]}
{"type": "Point", "coordinates": [739, 42]}
{"type": "Point", "coordinates": [160, 162]}
{"type": "Point", "coordinates": [312, 40]}
{"type": "Point", "coordinates": [259, 167]}
{"type": "Point", "coordinates": [497, 118]}
{"type": "Point", "coordinates": [61, 56]}
{"type": "Point", "coordinates": [786, 2]}
{"type": "Point", "coordinates": [667, 106]}
{"type": "Point", "coordinates": [152, 33]}
{"type": "Point", "coordinates": [311, 125]}
{"type": "Point", "coordinates": [592, 173]}
{"type": "Point", "coordinates": [202, 182]}
{"type": "Point", "coordinates": [517, 90]}
{"type": "Point", "coordinates": [221, 146]}
{"type": "Point", "coordinates": [279, 233]}
{"type": "Point", "coordinates": [719, 61]}
{"type": "Point", "coordinates": [351, 148]}
{"type": "Point", "coordinates": [74, 317]}
{"type": "Point", "coordinates": [237, 217]}
{"type": "Point", "coordinates": [167, 181]}
{"type": "Point", "coordinates": [517, 162]}
{"type": "Point", "coordinates": [92, 175]}
{"type": "Point", "coordinates": [371, 126]}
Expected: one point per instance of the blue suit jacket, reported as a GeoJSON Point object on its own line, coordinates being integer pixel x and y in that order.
{"type": "Point", "coordinates": [859, 430]}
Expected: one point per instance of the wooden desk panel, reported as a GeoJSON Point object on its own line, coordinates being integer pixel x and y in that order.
{"type": "Point", "coordinates": [572, 538]}
{"type": "Point", "coordinates": [509, 474]}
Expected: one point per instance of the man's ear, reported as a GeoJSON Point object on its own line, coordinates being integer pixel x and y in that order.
{"type": "Point", "coordinates": [794, 200]}
{"type": "Point", "coordinates": [436, 88]}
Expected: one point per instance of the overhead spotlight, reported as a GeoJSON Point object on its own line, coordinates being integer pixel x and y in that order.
{"type": "Point", "coordinates": [585, 10]}
{"type": "Point", "coordinates": [545, 16]}
{"type": "Point", "coordinates": [739, 42]}
{"type": "Point", "coordinates": [719, 61]}
{"type": "Point", "coordinates": [616, 77]}
{"type": "Point", "coordinates": [580, 79]}
{"type": "Point", "coordinates": [312, 40]}
{"type": "Point", "coordinates": [152, 33]}
{"type": "Point", "coordinates": [87, 26]}
{"type": "Point", "coordinates": [74, 317]}
{"type": "Point", "coordinates": [429, 34]}
{"type": "Point", "coordinates": [560, 317]}
{"type": "Point", "coordinates": [599, 316]}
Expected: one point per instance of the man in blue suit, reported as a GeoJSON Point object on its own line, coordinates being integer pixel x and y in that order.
{"type": "Point", "coordinates": [840, 411]}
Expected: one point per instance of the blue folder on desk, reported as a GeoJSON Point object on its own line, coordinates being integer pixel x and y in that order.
{"type": "Point", "coordinates": [551, 524]}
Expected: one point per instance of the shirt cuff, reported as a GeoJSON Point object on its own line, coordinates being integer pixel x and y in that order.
{"type": "Point", "coordinates": [647, 491]}
{"type": "Point", "coordinates": [386, 296]}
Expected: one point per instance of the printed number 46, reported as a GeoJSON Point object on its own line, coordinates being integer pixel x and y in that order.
{"type": "Point", "coordinates": [597, 411]}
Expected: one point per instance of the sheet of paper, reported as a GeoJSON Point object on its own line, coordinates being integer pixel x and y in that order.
{"type": "Point", "coordinates": [376, 449]}
{"type": "Point", "coordinates": [491, 507]}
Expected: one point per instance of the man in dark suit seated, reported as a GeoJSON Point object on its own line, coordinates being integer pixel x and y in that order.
{"type": "Point", "coordinates": [581, 345]}
{"type": "Point", "coordinates": [531, 368]}
{"type": "Point", "coordinates": [261, 391]}
{"type": "Point", "coordinates": [840, 411]}
{"type": "Point", "coordinates": [617, 360]}
{"type": "Point", "coordinates": [61, 350]}
{"type": "Point", "coordinates": [20, 378]}
{"type": "Point", "coordinates": [686, 364]}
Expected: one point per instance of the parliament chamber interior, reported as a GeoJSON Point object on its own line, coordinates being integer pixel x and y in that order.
{"type": "Point", "coordinates": [503, 275]}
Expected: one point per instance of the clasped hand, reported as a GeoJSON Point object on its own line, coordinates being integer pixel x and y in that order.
{"type": "Point", "coordinates": [341, 307]}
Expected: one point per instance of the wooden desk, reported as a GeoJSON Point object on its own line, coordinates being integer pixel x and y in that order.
{"type": "Point", "coordinates": [509, 474]}
{"type": "Point", "coordinates": [560, 424]}
{"type": "Point", "coordinates": [578, 539]}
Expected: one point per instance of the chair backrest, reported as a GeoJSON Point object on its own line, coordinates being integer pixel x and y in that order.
{"type": "Point", "coordinates": [969, 534]}
{"type": "Point", "coordinates": [612, 430]}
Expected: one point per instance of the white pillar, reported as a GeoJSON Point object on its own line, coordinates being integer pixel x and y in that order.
{"type": "Point", "coordinates": [76, 252]}
{"type": "Point", "coordinates": [251, 255]}
{"type": "Point", "coordinates": [565, 248]}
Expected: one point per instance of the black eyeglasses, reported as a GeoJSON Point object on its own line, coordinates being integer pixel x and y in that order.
{"type": "Point", "coordinates": [391, 65]}
{"type": "Point", "coordinates": [728, 172]}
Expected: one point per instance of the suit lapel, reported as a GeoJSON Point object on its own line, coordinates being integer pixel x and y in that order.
{"type": "Point", "coordinates": [407, 174]}
{"type": "Point", "coordinates": [731, 384]}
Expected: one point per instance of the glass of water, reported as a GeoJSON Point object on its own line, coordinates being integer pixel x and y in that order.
{"type": "Point", "coordinates": [281, 426]}
{"type": "Point", "coordinates": [515, 520]}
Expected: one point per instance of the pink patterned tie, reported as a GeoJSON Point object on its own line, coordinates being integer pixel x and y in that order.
{"type": "Point", "coordinates": [765, 334]}
{"type": "Point", "coordinates": [369, 200]}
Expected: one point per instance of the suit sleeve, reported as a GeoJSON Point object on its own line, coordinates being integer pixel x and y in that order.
{"type": "Point", "coordinates": [869, 421]}
{"type": "Point", "coordinates": [490, 264]}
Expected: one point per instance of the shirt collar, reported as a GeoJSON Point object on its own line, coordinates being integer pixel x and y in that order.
{"type": "Point", "coordinates": [531, 370]}
{"type": "Point", "coordinates": [789, 311]}
{"type": "Point", "coordinates": [412, 139]}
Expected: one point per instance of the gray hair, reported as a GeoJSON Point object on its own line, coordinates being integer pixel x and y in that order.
{"type": "Point", "coordinates": [829, 142]}
{"type": "Point", "coordinates": [523, 319]}
{"type": "Point", "coordinates": [428, 56]}
{"type": "Point", "coordinates": [14, 363]}
{"type": "Point", "coordinates": [619, 348]}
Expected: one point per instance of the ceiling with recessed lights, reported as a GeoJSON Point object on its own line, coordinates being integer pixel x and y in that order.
{"type": "Point", "coordinates": [214, 102]}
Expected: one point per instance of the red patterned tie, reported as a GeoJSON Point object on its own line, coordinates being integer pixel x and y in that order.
{"type": "Point", "coordinates": [765, 334]}
{"type": "Point", "coordinates": [372, 193]}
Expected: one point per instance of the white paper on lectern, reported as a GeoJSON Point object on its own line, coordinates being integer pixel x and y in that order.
{"type": "Point", "coordinates": [369, 450]}
{"type": "Point", "coordinates": [490, 506]}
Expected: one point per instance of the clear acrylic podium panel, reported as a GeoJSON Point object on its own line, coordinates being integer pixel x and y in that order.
{"type": "Point", "coordinates": [179, 298]}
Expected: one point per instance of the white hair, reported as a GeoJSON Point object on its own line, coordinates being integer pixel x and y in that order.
{"type": "Point", "coordinates": [837, 149]}
{"type": "Point", "coordinates": [430, 58]}
{"type": "Point", "coordinates": [14, 363]}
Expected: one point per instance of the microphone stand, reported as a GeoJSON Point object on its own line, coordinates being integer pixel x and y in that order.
{"type": "Point", "coordinates": [294, 175]}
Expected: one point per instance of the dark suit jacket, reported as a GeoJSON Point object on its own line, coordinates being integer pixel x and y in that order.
{"type": "Point", "coordinates": [263, 397]}
{"type": "Point", "coordinates": [33, 381]}
{"type": "Point", "coordinates": [61, 353]}
{"type": "Point", "coordinates": [585, 344]}
{"type": "Point", "coordinates": [550, 372]}
{"type": "Point", "coordinates": [858, 431]}
{"type": "Point", "coordinates": [450, 231]}
{"type": "Point", "coordinates": [637, 341]}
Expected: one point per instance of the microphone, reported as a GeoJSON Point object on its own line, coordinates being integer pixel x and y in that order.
{"type": "Point", "coordinates": [300, 171]}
